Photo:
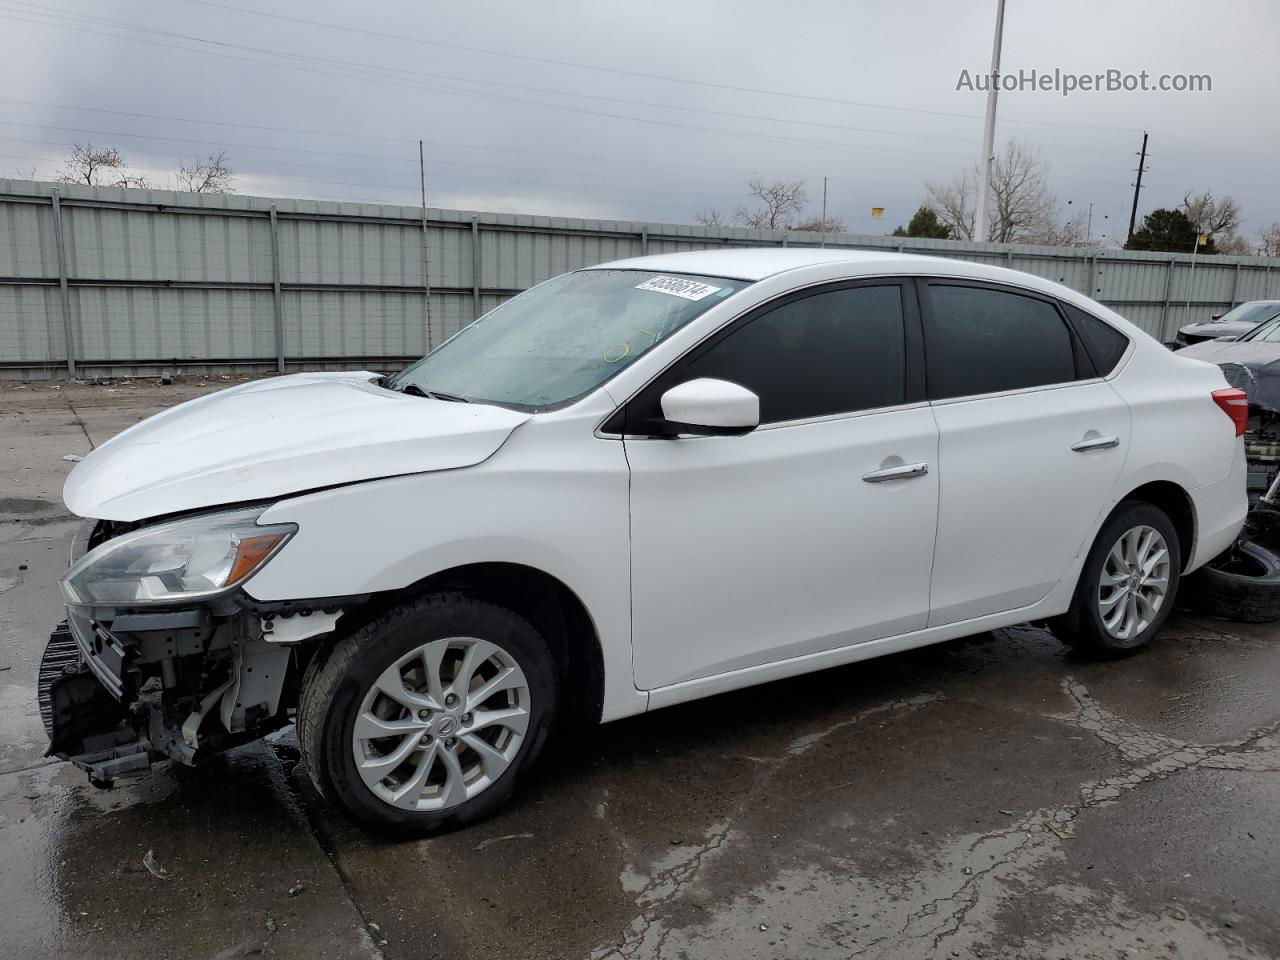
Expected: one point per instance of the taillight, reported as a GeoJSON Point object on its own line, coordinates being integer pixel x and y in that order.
{"type": "Point", "coordinates": [1235, 404]}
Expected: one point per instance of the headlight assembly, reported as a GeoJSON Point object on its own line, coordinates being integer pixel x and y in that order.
{"type": "Point", "coordinates": [171, 562]}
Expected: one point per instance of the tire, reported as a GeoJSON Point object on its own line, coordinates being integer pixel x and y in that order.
{"type": "Point", "coordinates": [1083, 625]}
{"type": "Point", "coordinates": [462, 782]}
{"type": "Point", "coordinates": [1242, 584]}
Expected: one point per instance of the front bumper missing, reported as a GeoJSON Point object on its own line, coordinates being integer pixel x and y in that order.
{"type": "Point", "coordinates": [85, 722]}
{"type": "Point", "coordinates": [120, 689]}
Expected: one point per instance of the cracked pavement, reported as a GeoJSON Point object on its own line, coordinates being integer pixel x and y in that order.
{"type": "Point", "coordinates": [993, 797]}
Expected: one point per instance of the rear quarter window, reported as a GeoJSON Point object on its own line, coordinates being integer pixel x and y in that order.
{"type": "Point", "coordinates": [1103, 342]}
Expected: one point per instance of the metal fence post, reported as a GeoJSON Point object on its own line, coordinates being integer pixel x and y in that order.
{"type": "Point", "coordinates": [475, 268]}
{"type": "Point", "coordinates": [276, 303]}
{"type": "Point", "coordinates": [1168, 292]}
{"type": "Point", "coordinates": [64, 293]}
{"type": "Point", "coordinates": [1235, 284]}
{"type": "Point", "coordinates": [644, 241]}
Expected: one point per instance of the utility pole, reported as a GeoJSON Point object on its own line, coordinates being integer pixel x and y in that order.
{"type": "Point", "coordinates": [989, 130]}
{"type": "Point", "coordinates": [426, 275]}
{"type": "Point", "coordinates": [824, 211]}
{"type": "Point", "coordinates": [1137, 187]}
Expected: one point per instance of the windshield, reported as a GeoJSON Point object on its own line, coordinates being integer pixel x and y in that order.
{"type": "Point", "coordinates": [1250, 313]}
{"type": "Point", "coordinates": [563, 338]}
{"type": "Point", "coordinates": [1268, 333]}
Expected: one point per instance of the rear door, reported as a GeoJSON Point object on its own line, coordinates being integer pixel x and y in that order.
{"type": "Point", "coordinates": [1031, 444]}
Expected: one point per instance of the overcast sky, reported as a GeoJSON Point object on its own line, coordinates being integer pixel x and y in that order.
{"type": "Point", "coordinates": [651, 110]}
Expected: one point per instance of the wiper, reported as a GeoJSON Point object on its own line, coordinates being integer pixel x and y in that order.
{"type": "Point", "coordinates": [417, 391]}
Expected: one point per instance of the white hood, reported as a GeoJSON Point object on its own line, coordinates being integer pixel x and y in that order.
{"type": "Point", "coordinates": [273, 437]}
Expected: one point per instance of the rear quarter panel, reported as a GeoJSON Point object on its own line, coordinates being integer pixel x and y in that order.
{"type": "Point", "coordinates": [1180, 435]}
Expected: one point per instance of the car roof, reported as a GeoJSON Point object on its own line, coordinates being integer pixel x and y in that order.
{"type": "Point", "coordinates": [756, 263]}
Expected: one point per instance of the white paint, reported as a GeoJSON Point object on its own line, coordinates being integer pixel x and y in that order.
{"type": "Point", "coordinates": [711, 403]}
{"type": "Point", "coordinates": [274, 437]}
{"type": "Point", "coordinates": [705, 563]}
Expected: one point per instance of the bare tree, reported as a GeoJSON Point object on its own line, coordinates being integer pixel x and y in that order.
{"type": "Point", "coordinates": [1269, 241]}
{"type": "Point", "coordinates": [210, 175]}
{"type": "Point", "coordinates": [779, 205]}
{"type": "Point", "coordinates": [1068, 233]}
{"type": "Point", "coordinates": [1234, 245]}
{"type": "Point", "coordinates": [780, 202]}
{"type": "Point", "coordinates": [1021, 206]}
{"type": "Point", "coordinates": [955, 203]}
{"type": "Point", "coordinates": [1212, 215]}
{"type": "Point", "coordinates": [98, 166]}
{"type": "Point", "coordinates": [818, 225]}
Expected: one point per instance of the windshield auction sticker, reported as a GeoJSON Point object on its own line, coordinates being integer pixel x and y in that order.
{"type": "Point", "coordinates": [679, 287]}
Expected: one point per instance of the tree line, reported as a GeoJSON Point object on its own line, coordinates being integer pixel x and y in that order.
{"type": "Point", "coordinates": [1022, 208]}
{"type": "Point", "coordinates": [99, 166]}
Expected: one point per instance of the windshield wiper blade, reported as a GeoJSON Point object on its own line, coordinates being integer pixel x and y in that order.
{"type": "Point", "coordinates": [417, 391]}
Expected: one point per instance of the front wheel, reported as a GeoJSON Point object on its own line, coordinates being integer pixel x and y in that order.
{"type": "Point", "coordinates": [1127, 584]}
{"type": "Point", "coordinates": [425, 719]}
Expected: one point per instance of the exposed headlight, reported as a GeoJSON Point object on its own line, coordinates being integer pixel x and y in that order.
{"type": "Point", "coordinates": [184, 560]}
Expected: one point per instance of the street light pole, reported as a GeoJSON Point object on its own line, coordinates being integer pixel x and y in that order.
{"type": "Point", "coordinates": [989, 130]}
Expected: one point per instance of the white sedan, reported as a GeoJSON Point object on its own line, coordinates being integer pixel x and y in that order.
{"type": "Point", "coordinates": [631, 486]}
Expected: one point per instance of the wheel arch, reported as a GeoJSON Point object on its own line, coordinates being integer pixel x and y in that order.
{"type": "Point", "coordinates": [1177, 504]}
{"type": "Point", "coordinates": [550, 605]}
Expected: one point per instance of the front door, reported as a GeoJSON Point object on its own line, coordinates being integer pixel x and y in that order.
{"type": "Point", "coordinates": [813, 532]}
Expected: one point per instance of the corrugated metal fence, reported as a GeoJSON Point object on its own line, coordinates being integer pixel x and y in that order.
{"type": "Point", "coordinates": [100, 281]}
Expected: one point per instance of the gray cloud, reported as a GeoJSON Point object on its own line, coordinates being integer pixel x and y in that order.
{"type": "Point", "coordinates": [873, 104]}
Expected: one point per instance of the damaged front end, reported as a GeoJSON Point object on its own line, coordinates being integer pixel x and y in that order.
{"type": "Point", "coordinates": [124, 684]}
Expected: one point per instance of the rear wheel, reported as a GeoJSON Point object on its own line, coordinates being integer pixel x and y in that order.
{"type": "Point", "coordinates": [425, 719]}
{"type": "Point", "coordinates": [1126, 587]}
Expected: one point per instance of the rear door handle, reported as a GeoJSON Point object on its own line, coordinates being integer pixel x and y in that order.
{"type": "Point", "coordinates": [904, 472]}
{"type": "Point", "coordinates": [1095, 443]}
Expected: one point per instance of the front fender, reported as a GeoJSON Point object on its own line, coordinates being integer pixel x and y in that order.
{"type": "Point", "coordinates": [565, 516]}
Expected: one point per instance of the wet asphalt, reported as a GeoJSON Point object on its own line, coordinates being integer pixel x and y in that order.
{"type": "Point", "coordinates": [996, 796]}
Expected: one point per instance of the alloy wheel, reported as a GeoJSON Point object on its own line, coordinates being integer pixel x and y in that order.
{"type": "Point", "coordinates": [441, 724]}
{"type": "Point", "coordinates": [1135, 582]}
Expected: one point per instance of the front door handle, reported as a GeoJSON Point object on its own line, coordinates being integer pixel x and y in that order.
{"type": "Point", "coordinates": [904, 472]}
{"type": "Point", "coordinates": [1095, 443]}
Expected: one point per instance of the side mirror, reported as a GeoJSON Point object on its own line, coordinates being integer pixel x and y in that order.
{"type": "Point", "coordinates": [1215, 316]}
{"type": "Point", "coordinates": [708, 407]}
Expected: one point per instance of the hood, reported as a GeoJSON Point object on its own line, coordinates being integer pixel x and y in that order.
{"type": "Point", "coordinates": [1251, 366]}
{"type": "Point", "coordinates": [270, 438]}
{"type": "Point", "coordinates": [1217, 328]}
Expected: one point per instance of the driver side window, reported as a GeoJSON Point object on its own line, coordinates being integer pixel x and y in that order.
{"type": "Point", "coordinates": [835, 352]}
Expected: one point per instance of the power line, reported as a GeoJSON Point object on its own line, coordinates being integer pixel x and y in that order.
{"type": "Point", "coordinates": [837, 147]}
{"type": "Point", "coordinates": [381, 69]}
{"type": "Point", "coordinates": [637, 73]}
{"type": "Point", "coordinates": [387, 159]}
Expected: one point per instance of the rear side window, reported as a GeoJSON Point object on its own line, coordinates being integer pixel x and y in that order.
{"type": "Point", "coordinates": [834, 352]}
{"type": "Point", "coordinates": [987, 341]}
{"type": "Point", "coordinates": [1104, 343]}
